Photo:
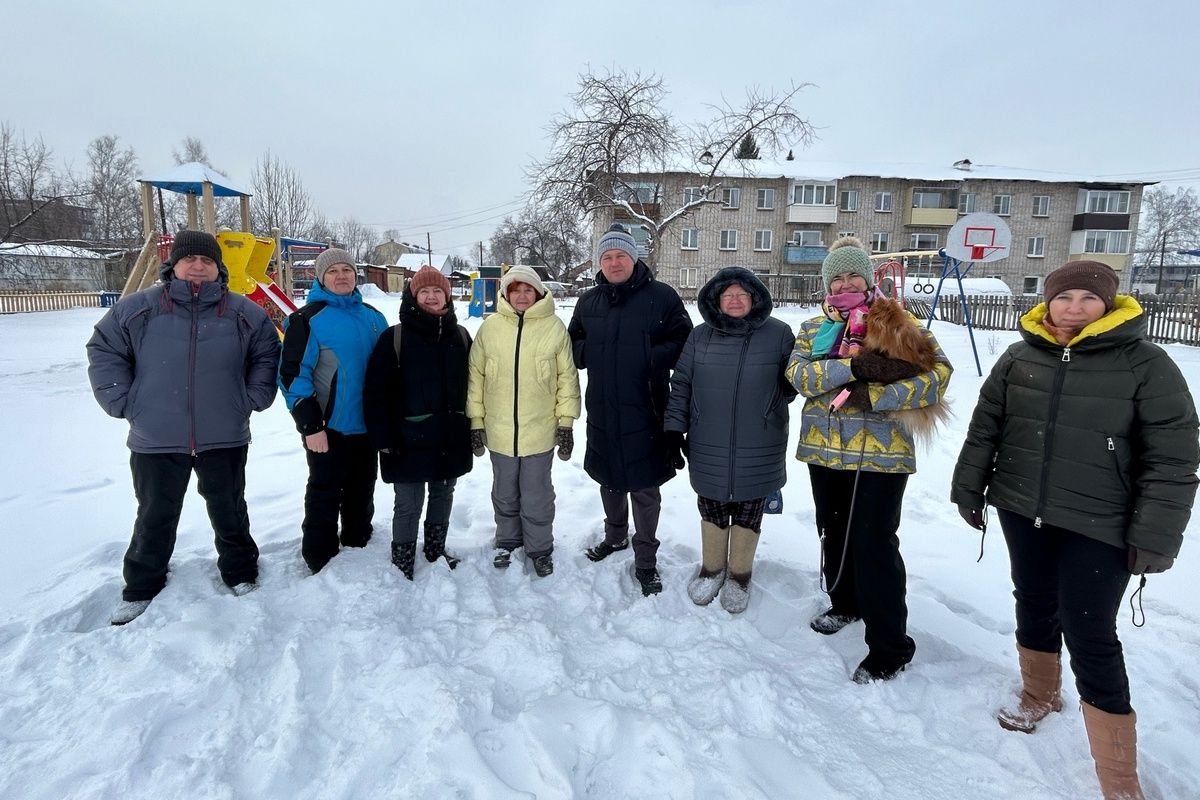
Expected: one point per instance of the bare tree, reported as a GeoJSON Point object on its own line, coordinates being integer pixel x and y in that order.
{"type": "Point", "coordinates": [32, 194]}
{"type": "Point", "coordinates": [280, 199]}
{"type": "Point", "coordinates": [357, 239]}
{"type": "Point", "coordinates": [616, 128]}
{"type": "Point", "coordinates": [112, 184]}
{"type": "Point", "coordinates": [191, 150]}
{"type": "Point", "coordinates": [1170, 221]}
{"type": "Point", "coordinates": [543, 234]}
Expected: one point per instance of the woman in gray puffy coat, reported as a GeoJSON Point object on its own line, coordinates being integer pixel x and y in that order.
{"type": "Point", "coordinates": [729, 399]}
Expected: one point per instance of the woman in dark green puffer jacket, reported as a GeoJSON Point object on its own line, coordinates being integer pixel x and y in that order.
{"type": "Point", "coordinates": [1085, 441]}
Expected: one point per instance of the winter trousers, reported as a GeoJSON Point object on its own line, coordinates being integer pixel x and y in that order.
{"type": "Point", "coordinates": [407, 510]}
{"type": "Point", "coordinates": [647, 504]}
{"type": "Point", "coordinates": [341, 482]}
{"type": "Point", "coordinates": [1069, 587]}
{"type": "Point", "coordinates": [873, 583]}
{"type": "Point", "coordinates": [523, 499]}
{"type": "Point", "coordinates": [160, 481]}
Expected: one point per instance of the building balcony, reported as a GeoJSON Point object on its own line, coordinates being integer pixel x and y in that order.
{"type": "Point", "coordinates": [651, 210]}
{"type": "Point", "coordinates": [803, 254]}
{"type": "Point", "coordinates": [1118, 261]}
{"type": "Point", "coordinates": [1100, 222]}
{"type": "Point", "coordinates": [931, 217]}
{"type": "Point", "coordinates": [819, 215]}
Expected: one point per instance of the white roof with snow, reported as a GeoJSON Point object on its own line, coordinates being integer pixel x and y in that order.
{"type": "Point", "coordinates": [414, 261]}
{"type": "Point", "coordinates": [47, 251]}
{"type": "Point", "coordinates": [834, 170]}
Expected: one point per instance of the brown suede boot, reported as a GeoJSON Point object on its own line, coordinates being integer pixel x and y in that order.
{"type": "Point", "coordinates": [1113, 738]}
{"type": "Point", "coordinates": [1041, 678]}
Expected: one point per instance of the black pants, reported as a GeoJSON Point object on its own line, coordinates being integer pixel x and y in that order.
{"type": "Point", "coordinates": [1069, 587]}
{"type": "Point", "coordinates": [341, 482]}
{"type": "Point", "coordinates": [160, 481]}
{"type": "Point", "coordinates": [872, 584]}
{"type": "Point", "coordinates": [647, 504]}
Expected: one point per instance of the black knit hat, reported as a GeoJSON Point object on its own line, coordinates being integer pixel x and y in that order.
{"type": "Point", "coordinates": [195, 243]}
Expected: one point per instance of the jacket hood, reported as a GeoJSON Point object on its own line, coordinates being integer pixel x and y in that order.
{"type": "Point", "coordinates": [1125, 323]}
{"type": "Point", "coordinates": [544, 307]}
{"type": "Point", "coordinates": [521, 274]}
{"type": "Point", "coordinates": [419, 319]}
{"type": "Point", "coordinates": [319, 294]}
{"type": "Point", "coordinates": [709, 300]}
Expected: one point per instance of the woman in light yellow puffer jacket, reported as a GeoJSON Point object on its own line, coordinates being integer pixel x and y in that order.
{"type": "Point", "coordinates": [522, 398]}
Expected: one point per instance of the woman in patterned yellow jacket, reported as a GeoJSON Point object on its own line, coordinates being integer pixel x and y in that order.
{"type": "Point", "coordinates": [859, 456]}
{"type": "Point", "coordinates": [523, 398]}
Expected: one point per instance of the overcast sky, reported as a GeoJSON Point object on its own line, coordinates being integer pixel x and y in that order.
{"type": "Point", "coordinates": [423, 116]}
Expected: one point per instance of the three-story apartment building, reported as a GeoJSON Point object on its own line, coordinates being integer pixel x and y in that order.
{"type": "Point", "coordinates": [779, 218]}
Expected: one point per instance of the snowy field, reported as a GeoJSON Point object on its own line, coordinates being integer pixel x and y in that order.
{"type": "Point", "coordinates": [479, 683]}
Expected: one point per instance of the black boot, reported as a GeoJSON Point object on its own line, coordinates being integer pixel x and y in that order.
{"type": "Point", "coordinates": [403, 556]}
{"type": "Point", "coordinates": [435, 544]}
{"type": "Point", "coordinates": [649, 580]}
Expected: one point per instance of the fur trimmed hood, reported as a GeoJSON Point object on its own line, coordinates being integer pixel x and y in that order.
{"type": "Point", "coordinates": [709, 299]}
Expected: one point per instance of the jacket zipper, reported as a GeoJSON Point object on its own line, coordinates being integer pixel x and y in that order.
{"type": "Point", "coordinates": [517, 383]}
{"type": "Point", "coordinates": [192, 372]}
{"type": "Point", "coordinates": [737, 381]}
{"type": "Point", "coordinates": [1056, 394]}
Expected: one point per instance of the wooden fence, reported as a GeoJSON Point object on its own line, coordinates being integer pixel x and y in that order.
{"type": "Point", "coordinates": [1168, 320]}
{"type": "Point", "coordinates": [19, 302]}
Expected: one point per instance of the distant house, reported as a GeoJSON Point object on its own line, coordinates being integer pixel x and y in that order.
{"type": "Point", "coordinates": [52, 267]}
{"type": "Point", "coordinates": [414, 261]}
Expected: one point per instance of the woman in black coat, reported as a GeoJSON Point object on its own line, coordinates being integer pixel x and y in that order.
{"type": "Point", "coordinates": [729, 395]}
{"type": "Point", "coordinates": [415, 403]}
{"type": "Point", "coordinates": [1085, 441]}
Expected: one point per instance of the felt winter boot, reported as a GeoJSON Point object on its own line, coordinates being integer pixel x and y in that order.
{"type": "Point", "coordinates": [735, 594]}
{"type": "Point", "coordinates": [1041, 678]}
{"type": "Point", "coordinates": [435, 544]}
{"type": "Point", "coordinates": [1113, 739]}
{"type": "Point", "coordinates": [713, 564]}
{"type": "Point", "coordinates": [403, 556]}
{"type": "Point", "coordinates": [127, 611]}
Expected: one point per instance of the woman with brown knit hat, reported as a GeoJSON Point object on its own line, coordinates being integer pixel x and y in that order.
{"type": "Point", "coordinates": [415, 403]}
{"type": "Point", "coordinates": [1085, 441]}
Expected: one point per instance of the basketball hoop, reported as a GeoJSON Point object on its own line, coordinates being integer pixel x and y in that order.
{"type": "Point", "coordinates": [978, 238]}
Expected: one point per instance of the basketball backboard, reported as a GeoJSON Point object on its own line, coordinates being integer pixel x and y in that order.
{"type": "Point", "coordinates": [979, 238]}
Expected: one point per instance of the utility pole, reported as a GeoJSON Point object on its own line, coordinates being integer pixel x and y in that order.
{"type": "Point", "coordinates": [429, 249]}
{"type": "Point", "coordinates": [481, 254]}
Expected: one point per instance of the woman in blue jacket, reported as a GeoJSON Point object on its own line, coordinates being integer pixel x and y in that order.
{"type": "Point", "coordinates": [325, 350]}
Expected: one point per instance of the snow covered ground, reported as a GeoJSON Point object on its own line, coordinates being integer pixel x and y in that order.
{"type": "Point", "coordinates": [484, 684]}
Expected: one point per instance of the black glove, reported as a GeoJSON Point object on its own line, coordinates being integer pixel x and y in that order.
{"type": "Point", "coordinates": [478, 442]}
{"type": "Point", "coordinates": [972, 516]}
{"type": "Point", "coordinates": [565, 439]}
{"type": "Point", "coordinates": [1146, 562]}
{"type": "Point", "coordinates": [677, 448]}
{"type": "Point", "coordinates": [881, 369]}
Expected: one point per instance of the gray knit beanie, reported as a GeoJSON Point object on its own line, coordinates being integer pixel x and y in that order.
{"type": "Point", "coordinates": [847, 255]}
{"type": "Point", "coordinates": [616, 238]}
{"type": "Point", "coordinates": [333, 255]}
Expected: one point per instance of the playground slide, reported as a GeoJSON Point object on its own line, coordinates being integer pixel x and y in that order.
{"type": "Point", "coordinates": [246, 256]}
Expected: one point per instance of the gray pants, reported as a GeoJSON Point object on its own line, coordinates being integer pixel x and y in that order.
{"type": "Point", "coordinates": [523, 498]}
{"type": "Point", "coordinates": [407, 510]}
{"type": "Point", "coordinates": [646, 506]}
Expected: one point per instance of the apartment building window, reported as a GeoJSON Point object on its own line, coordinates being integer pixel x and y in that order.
{"type": "Point", "coordinates": [729, 239]}
{"type": "Point", "coordinates": [1036, 247]}
{"type": "Point", "coordinates": [1001, 204]}
{"type": "Point", "coordinates": [691, 194]}
{"type": "Point", "coordinates": [1106, 242]}
{"type": "Point", "coordinates": [930, 198]}
{"type": "Point", "coordinates": [766, 199]}
{"type": "Point", "coordinates": [813, 194]}
{"type": "Point", "coordinates": [883, 201]}
{"type": "Point", "coordinates": [849, 201]}
{"type": "Point", "coordinates": [731, 198]}
{"type": "Point", "coordinates": [879, 242]}
{"type": "Point", "coordinates": [638, 192]}
{"type": "Point", "coordinates": [688, 277]}
{"type": "Point", "coordinates": [843, 234]}
{"type": "Point", "coordinates": [923, 241]}
{"type": "Point", "coordinates": [1041, 205]}
{"type": "Point", "coordinates": [1103, 202]}
{"type": "Point", "coordinates": [806, 238]}
{"type": "Point", "coordinates": [966, 203]}
{"type": "Point", "coordinates": [762, 240]}
{"type": "Point", "coordinates": [1030, 285]}
{"type": "Point", "coordinates": [689, 239]}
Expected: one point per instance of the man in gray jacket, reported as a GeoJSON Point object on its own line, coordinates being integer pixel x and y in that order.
{"type": "Point", "coordinates": [185, 362]}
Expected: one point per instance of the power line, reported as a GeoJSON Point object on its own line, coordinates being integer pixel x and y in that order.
{"type": "Point", "coordinates": [518, 201]}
